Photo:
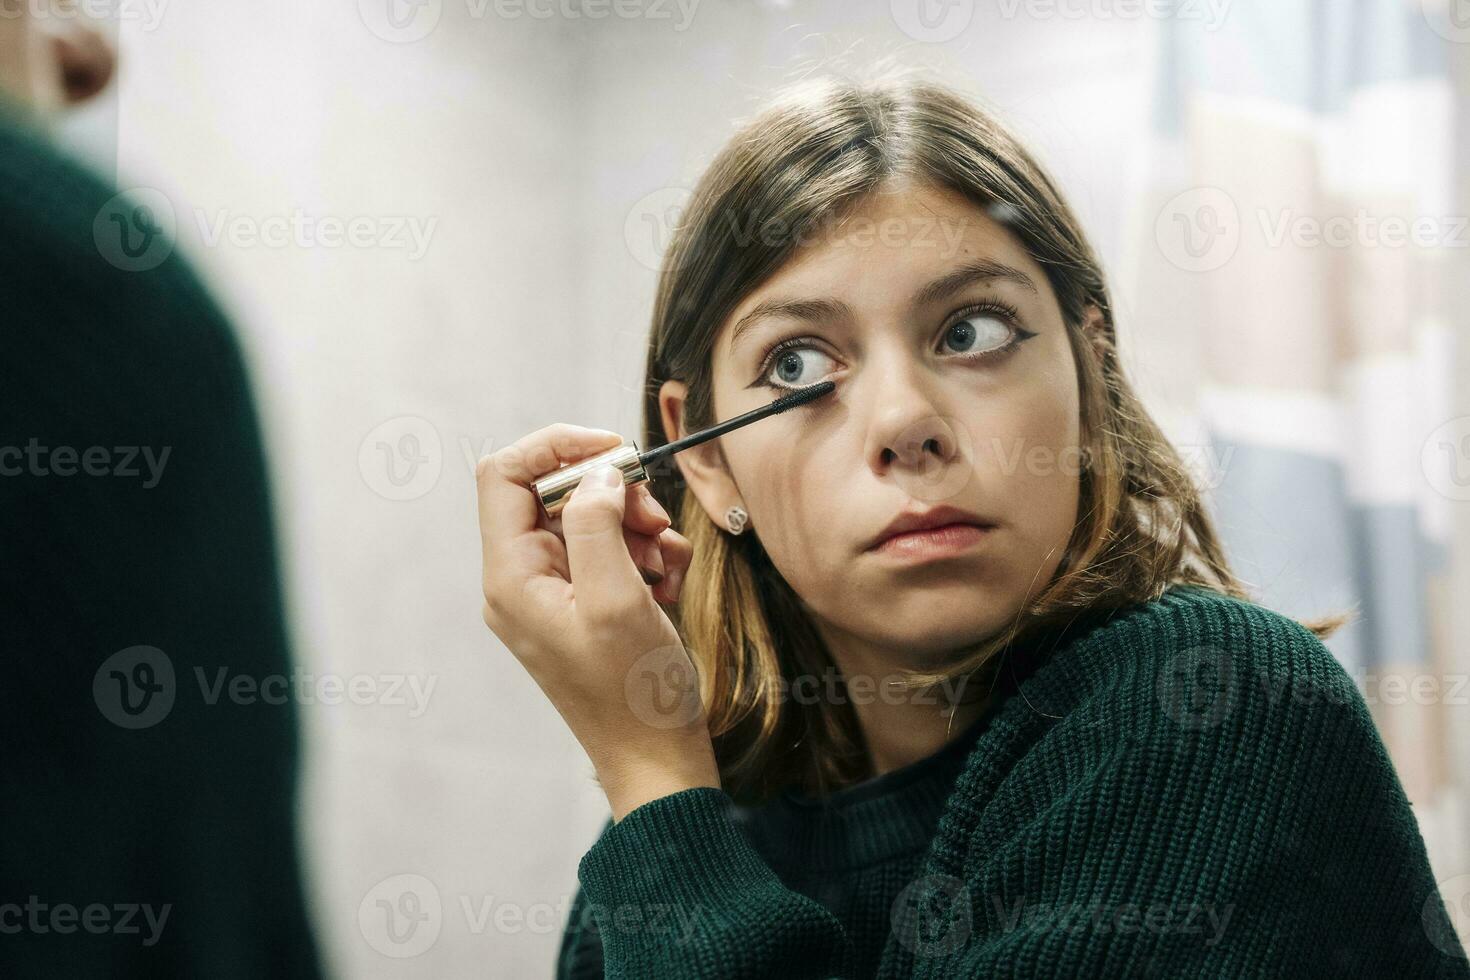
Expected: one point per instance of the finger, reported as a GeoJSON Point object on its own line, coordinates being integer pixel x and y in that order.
{"type": "Point", "coordinates": [677, 553]}
{"type": "Point", "coordinates": [644, 514]}
{"type": "Point", "coordinates": [604, 577]}
{"type": "Point", "coordinates": [508, 506]}
{"type": "Point", "coordinates": [640, 531]}
{"type": "Point", "coordinates": [647, 554]}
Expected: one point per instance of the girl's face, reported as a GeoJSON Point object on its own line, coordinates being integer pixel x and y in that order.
{"type": "Point", "coordinates": [956, 386]}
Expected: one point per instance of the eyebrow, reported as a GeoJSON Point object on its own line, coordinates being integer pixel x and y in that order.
{"type": "Point", "coordinates": [983, 270]}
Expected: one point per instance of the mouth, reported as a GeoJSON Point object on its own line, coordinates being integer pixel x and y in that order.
{"type": "Point", "coordinates": [936, 533]}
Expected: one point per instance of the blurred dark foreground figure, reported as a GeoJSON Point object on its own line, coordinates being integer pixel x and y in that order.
{"type": "Point", "coordinates": [147, 802]}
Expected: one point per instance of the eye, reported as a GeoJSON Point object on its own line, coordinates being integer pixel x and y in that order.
{"type": "Point", "coordinates": [980, 332]}
{"type": "Point", "coordinates": [987, 330]}
{"type": "Point", "coordinates": [787, 365]}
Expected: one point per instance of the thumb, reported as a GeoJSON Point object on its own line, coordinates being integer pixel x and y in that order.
{"type": "Point", "coordinates": [603, 574]}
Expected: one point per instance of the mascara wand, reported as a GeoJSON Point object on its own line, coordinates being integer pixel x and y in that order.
{"type": "Point", "coordinates": [554, 490]}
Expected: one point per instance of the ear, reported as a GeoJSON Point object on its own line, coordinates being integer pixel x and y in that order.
{"type": "Point", "coordinates": [50, 63]}
{"type": "Point", "coordinates": [702, 468]}
{"type": "Point", "coordinates": [85, 61]}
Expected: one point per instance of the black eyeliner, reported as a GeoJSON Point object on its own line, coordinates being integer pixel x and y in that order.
{"type": "Point", "coordinates": [1005, 310]}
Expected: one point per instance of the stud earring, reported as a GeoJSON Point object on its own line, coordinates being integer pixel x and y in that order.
{"type": "Point", "coordinates": [735, 519]}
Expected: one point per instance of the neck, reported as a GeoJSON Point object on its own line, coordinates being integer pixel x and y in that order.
{"type": "Point", "coordinates": [900, 727]}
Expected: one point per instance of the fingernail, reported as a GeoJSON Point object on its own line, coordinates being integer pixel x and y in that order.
{"type": "Point", "coordinates": [605, 476]}
{"type": "Point", "coordinates": [676, 582]}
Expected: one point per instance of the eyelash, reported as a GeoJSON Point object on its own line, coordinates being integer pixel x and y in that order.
{"type": "Point", "coordinates": [1005, 312]}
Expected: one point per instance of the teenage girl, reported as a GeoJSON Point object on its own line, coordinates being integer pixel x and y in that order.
{"type": "Point", "coordinates": [944, 674]}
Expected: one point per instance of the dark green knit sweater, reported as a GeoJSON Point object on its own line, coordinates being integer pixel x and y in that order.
{"type": "Point", "coordinates": [134, 516]}
{"type": "Point", "coordinates": [1189, 787]}
{"type": "Point", "coordinates": [853, 851]}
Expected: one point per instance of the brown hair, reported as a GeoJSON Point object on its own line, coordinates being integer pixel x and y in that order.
{"type": "Point", "coordinates": [811, 154]}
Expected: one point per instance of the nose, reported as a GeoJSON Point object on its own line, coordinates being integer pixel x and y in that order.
{"type": "Point", "coordinates": [909, 435]}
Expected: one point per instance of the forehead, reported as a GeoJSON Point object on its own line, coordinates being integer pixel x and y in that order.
{"type": "Point", "coordinates": [880, 254]}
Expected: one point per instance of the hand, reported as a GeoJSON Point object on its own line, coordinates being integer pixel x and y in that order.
{"type": "Point", "coordinates": [566, 598]}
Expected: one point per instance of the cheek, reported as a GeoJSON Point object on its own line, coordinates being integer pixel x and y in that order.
{"type": "Point", "coordinates": [795, 501]}
{"type": "Point", "coordinates": [1027, 453]}
{"type": "Point", "coordinates": [1046, 425]}
{"type": "Point", "coordinates": [787, 485]}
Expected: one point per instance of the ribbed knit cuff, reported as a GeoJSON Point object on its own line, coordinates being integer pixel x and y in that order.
{"type": "Point", "coordinates": [678, 848]}
{"type": "Point", "coordinates": [677, 890]}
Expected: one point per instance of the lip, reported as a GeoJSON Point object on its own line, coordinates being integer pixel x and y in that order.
{"type": "Point", "coordinates": [931, 533]}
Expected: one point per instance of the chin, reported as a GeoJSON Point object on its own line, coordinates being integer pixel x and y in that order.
{"type": "Point", "coordinates": [931, 640]}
